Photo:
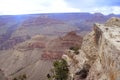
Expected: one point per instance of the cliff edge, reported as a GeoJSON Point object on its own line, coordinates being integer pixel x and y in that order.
{"type": "Point", "coordinates": [99, 56]}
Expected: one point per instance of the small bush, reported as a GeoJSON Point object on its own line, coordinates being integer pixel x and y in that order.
{"type": "Point", "coordinates": [48, 76]}
{"type": "Point", "coordinates": [60, 70]}
{"type": "Point", "coordinates": [75, 49]}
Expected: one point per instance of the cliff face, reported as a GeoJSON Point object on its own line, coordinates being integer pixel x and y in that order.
{"type": "Point", "coordinates": [56, 47]}
{"type": "Point", "coordinates": [99, 57]}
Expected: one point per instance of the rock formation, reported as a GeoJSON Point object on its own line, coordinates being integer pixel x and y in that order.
{"type": "Point", "coordinates": [22, 52]}
{"type": "Point", "coordinates": [34, 57]}
{"type": "Point", "coordinates": [43, 25]}
{"type": "Point", "coordinates": [56, 47]}
{"type": "Point", "coordinates": [14, 28]}
{"type": "Point", "coordinates": [25, 58]}
{"type": "Point", "coordinates": [98, 58]}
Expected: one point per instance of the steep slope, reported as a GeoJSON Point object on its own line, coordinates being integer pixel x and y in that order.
{"type": "Point", "coordinates": [56, 47]}
{"type": "Point", "coordinates": [22, 56]}
{"type": "Point", "coordinates": [30, 58]}
{"type": "Point", "coordinates": [27, 62]}
{"type": "Point", "coordinates": [98, 58]}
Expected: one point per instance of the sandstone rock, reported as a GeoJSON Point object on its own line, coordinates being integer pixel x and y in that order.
{"type": "Point", "coordinates": [105, 67]}
{"type": "Point", "coordinates": [100, 50]}
{"type": "Point", "coordinates": [113, 22]}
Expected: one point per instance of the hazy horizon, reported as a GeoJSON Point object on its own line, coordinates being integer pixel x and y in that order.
{"type": "Point", "coordinates": [15, 7]}
{"type": "Point", "coordinates": [57, 13]}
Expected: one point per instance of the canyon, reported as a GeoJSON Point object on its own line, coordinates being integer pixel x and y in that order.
{"type": "Point", "coordinates": [29, 44]}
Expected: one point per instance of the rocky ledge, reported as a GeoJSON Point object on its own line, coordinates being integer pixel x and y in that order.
{"type": "Point", "coordinates": [99, 56]}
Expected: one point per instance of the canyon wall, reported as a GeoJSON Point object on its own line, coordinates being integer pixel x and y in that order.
{"type": "Point", "coordinates": [99, 56]}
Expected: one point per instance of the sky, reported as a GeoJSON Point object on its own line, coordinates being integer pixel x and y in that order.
{"type": "Point", "coordinates": [13, 7]}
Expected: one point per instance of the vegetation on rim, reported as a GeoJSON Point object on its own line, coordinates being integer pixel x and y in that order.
{"type": "Point", "coordinates": [60, 71]}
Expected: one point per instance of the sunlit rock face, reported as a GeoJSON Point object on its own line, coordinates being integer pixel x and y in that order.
{"type": "Point", "coordinates": [100, 52]}
{"type": "Point", "coordinates": [113, 22]}
{"type": "Point", "coordinates": [106, 67]}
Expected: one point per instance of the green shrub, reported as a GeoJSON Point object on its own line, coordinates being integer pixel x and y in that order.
{"type": "Point", "coordinates": [60, 70]}
{"type": "Point", "coordinates": [75, 49]}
